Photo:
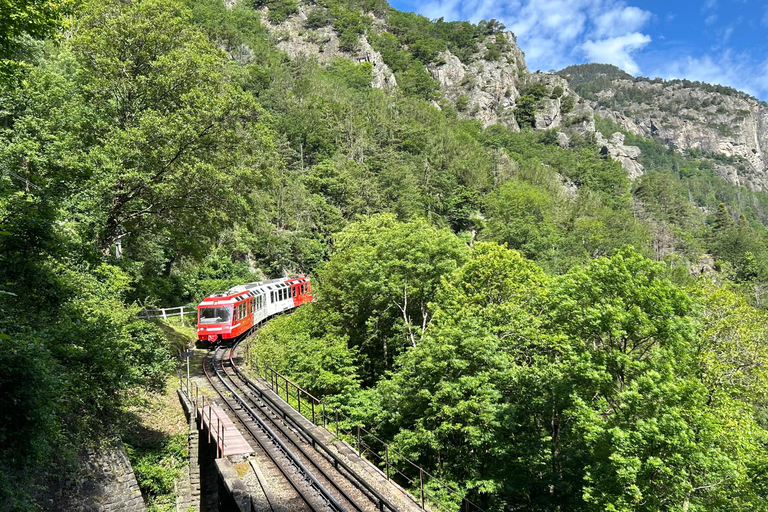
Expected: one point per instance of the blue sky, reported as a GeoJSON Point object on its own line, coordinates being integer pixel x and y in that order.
{"type": "Point", "coordinates": [716, 41]}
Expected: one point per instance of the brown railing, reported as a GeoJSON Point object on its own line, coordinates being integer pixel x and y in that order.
{"type": "Point", "coordinates": [368, 445]}
{"type": "Point", "coordinates": [200, 418]}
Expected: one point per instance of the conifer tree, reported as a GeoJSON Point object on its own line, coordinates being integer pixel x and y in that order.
{"type": "Point", "coordinates": [722, 218]}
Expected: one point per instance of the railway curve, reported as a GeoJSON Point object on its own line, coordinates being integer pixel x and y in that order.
{"type": "Point", "coordinates": [320, 478]}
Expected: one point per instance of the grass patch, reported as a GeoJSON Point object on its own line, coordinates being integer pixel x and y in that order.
{"type": "Point", "coordinates": [154, 431]}
{"type": "Point", "coordinates": [179, 337]}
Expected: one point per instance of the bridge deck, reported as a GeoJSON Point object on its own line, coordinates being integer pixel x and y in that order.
{"type": "Point", "coordinates": [234, 442]}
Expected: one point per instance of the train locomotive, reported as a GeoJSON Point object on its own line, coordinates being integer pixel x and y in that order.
{"type": "Point", "coordinates": [226, 316]}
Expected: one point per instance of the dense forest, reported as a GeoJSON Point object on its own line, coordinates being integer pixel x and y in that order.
{"type": "Point", "coordinates": [517, 317]}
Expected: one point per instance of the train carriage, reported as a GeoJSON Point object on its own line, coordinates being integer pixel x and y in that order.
{"type": "Point", "coordinates": [231, 314]}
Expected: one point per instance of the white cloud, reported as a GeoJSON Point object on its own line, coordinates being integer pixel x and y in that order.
{"type": "Point", "coordinates": [711, 19]}
{"type": "Point", "coordinates": [618, 22]}
{"type": "Point", "coordinates": [726, 34]}
{"type": "Point", "coordinates": [617, 50]}
{"type": "Point", "coordinates": [556, 33]}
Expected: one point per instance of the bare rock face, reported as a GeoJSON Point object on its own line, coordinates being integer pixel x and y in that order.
{"type": "Point", "coordinates": [488, 90]}
{"type": "Point", "coordinates": [627, 156]}
{"type": "Point", "coordinates": [485, 90]}
{"type": "Point", "coordinates": [688, 118]}
{"type": "Point", "coordinates": [296, 40]}
{"type": "Point", "coordinates": [383, 78]}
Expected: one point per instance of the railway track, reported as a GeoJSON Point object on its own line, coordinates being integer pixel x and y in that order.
{"type": "Point", "coordinates": [321, 480]}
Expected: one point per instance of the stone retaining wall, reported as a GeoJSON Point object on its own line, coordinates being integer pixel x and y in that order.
{"type": "Point", "coordinates": [104, 483]}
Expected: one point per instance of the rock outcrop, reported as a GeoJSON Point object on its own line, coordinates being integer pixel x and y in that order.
{"type": "Point", "coordinates": [485, 90]}
{"type": "Point", "coordinates": [292, 37]}
{"type": "Point", "coordinates": [627, 156]}
{"type": "Point", "coordinates": [728, 127]}
{"type": "Point", "coordinates": [731, 129]}
{"type": "Point", "coordinates": [488, 90]}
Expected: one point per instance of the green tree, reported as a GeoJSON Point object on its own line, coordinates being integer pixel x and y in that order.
{"type": "Point", "coordinates": [167, 120]}
{"type": "Point", "coordinates": [23, 19]}
{"type": "Point", "coordinates": [450, 404]}
{"type": "Point", "coordinates": [723, 218]}
{"type": "Point", "coordinates": [308, 347]}
{"type": "Point", "coordinates": [638, 409]}
{"type": "Point", "coordinates": [380, 280]}
{"type": "Point", "coordinates": [521, 215]}
{"type": "Point", "coordinates": [525, 111]}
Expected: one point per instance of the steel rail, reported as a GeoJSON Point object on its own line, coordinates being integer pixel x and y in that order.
{"type": "Point", "coordinates": [308, 477]}
{"type": "Point", "coordinates": [377, 498]}
{"type": "Point", "coordinates": [303, 452]}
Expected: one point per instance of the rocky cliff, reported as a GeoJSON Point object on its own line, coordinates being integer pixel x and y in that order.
{"type": "Point", "coordinates": [729, 127]}
{"type": "Point", "coordinates": [294, 38]}
{"type": "Point", "coordinates": [491, 84]}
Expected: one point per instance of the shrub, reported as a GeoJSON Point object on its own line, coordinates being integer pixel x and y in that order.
{"type": "Point", "coordinates": [462, 102]}
{"type": "Point", "coordinates": [318, 18]}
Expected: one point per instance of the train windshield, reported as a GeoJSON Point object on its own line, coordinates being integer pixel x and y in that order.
{"type": "Point", "coordinates": [215, 315]}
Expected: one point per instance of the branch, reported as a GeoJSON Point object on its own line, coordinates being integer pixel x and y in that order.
{"type": "Point", "coordinates": [407, 320]}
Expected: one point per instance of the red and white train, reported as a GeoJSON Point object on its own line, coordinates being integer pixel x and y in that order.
{"type": "Point", "coordinates": [228, 315]}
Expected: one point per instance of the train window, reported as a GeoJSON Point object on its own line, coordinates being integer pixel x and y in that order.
{"type": "Point", "coordinates": [215, 315]}
{"type": "Point", "coordinates": [271, 296]}
{"type": "Point", "coordinates": [236, 314]}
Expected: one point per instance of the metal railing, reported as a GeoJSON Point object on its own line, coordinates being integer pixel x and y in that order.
{"type": "Point", "coordinates": [394, 464]}
{"type": "Point", "coordinates": [200, 418]}
{"type": "Point", "coordinates": [165, 313]}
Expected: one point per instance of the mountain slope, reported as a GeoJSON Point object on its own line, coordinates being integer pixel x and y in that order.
{"type": "Point", "coordinates": [719, 123]}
